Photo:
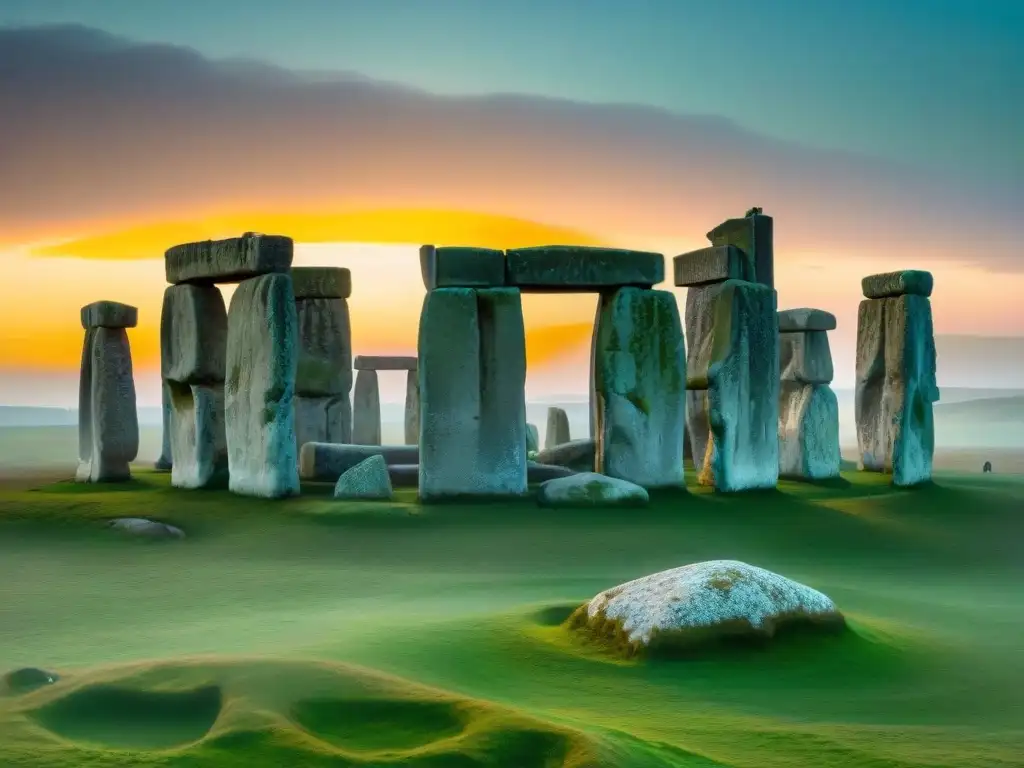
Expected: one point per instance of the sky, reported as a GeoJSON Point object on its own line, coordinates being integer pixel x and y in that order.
{"type": "Point", "coordinates": [879, 135]}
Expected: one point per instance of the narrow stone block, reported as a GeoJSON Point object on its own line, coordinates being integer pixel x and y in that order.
{"type": "Point", "coordinates": [640, 364]}
{"type": "Point", "coordinates": [198, 436]}
{"type": "Point", "coordinates": [228, 261]}
{"type": "Point", "coordinates": [532, 438]}
{"type": "Point", "coordinates": [558, 428]}
{"type": "Point", "coordinates": [412, 408]}
{"type": "Point", "coordinates": [385, 363]}
{"type": "Point", "coordinates": [262, 356]}
{"type": "Point", "coordinates": [805, 357]}
{"type": "Point", "coordinates": [698, 428]}
{"type": "Point", "coordinates": [808, 431]}
{"type": "Point", "coordinates": [164, 463]}
{"type": "Point", "coordinates": [324, 365]}
{"type": "Point", "coordinates": [891, 284]}
{"type": "Point", "coordinates": [109, 314]}
{"type": "Point", "coordinates": [568, 268]}
{"type": "Point", "coordinates": [322, 419]}
{"type": "Point", "coordinates": [806, 319]}
{"type": "Point", "coordinates": [321, 282]}
{"type": "Point", "coordinates": [193, 334]}
{"type": "Point", "coordinates": [366, 409]}
{"type": "Point", "coordinates": [699, 316]}
{"type": "Point", "coordinates": [712, 265]}
{"type": "Point", "coordinates": [459, 267]}
{"type": "Point", "coordinates": [753, 234]}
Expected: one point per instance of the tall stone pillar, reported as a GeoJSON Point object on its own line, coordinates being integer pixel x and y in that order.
{"type": "Point", "coordinates": [163, 463]}
{"type": "Point", "coordinates": [366, 409]}
{"type": "Point", "coordinates": [108, 426]}
{"type": "Point", "coordinates": [896, 382]}
{"type": "Point", "coordinates": [557, 432]}
{"type": "Point", "coordinates": [412, 407]}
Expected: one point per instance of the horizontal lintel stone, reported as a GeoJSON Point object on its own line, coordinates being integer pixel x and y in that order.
{"type": "Point", "coordinates": [109, 314]}
{"type": "Point", "coordinates": [569, 268]}
{"type": "Point", "coordinates": [806, 319]}
{"type": "Point", "coordinates": [715, 264]}
{"type": "Point", "coordinates": [914, 282]}
{"type": "Point", "coordinates": [385, 363]}
{"type": "Point", "coordinates": [461, 267]}
{"type": "Point", "coordinates": [321, 282]}
{"type": "Point", "coordinates": [228, 261]}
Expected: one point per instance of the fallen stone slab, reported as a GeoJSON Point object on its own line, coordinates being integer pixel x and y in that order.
{"type": "Point", "coordinates": [138, 526]}
{"type": "Point", "coordinates": [385, 363]}
{"type": "Point", "coordinates": [461, 267]}
{"type": "Point", "coordinates": [575, 454]}
{"type": "Point", "coordinates": [558, 428]}
{"type": "Point", "coordinates": [408, 475]}
{"type": "Point", "coordinates": [193, 334]}
{"type": "Point", "coordinates": [712, 265]}
{"type": "Point", "coordinates": [230, 260]}
{"type": "Point", "coordinates": [565, 268]}
{"type": "Point", "coordinates": [805, 357]}
{"type": "Point", "coordinates": [684, 609]}
{"type": "Point", "coordinates": [640, 380]}
{"type": "Point", "coordinates": [328, 461]}
{"type": "Point", "coordinates": [806, 319]}
{"type": "Point", "coordinates": [368, 480]}
{"type": "Point", "coordinates": [808, 432]}
{"type": "Point", "coordinates": [322, 419]}
{"type": "Point", "coordinates": [262, 356]}
{"type": "Point", "coordinates": [753, 234]}
{"type": "Point", "coordinates": [198, 436]}
{"type": "Point", "coordinates": [321, 282]}
{"type": "Point", "coordinates": [590, 489]}
{"type": "Point", "coordinates": [324, 365]}
{"type": "Point", "coordinates": [890, 284]}
{"type": "Point", "coordinates": [109, 314]}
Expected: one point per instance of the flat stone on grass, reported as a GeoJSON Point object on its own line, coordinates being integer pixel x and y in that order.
{"type": "Point", "coordinates": [321, 282]}
{"type": "Point", "coordinates": [914, 282]}
{"type": "Point", "coordinates": [367, 480]}
{"type": "Point", "coordinates": [109, 314]}
{"type": "Point", "coordinates": [589, 489]}
{"type": "Point", "coordinates": [565, 268]}
{"type": "Point", "coordinates": [228, 261]}
{"type": "Point", "coordinates": [460, 267]}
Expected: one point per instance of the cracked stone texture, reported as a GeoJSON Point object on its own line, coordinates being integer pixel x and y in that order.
{"type": "Point", "coordinates": [805, 357]}
{"type": "Point", "coordinates": [193, 334]}
{"type": "Point", "coordinates": [891, 284]}
{"type": "Point", "coordinates": [198, 435]}
{"type": "Point", "coordinates": [808, 431]}
{"type": "Point", "coordinates": [712, 265]}
{"type": "Point", "coordinates": [324, 364]}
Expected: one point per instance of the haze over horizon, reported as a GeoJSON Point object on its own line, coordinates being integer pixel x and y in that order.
{"type": "Point", "coordinates": [360, 132]}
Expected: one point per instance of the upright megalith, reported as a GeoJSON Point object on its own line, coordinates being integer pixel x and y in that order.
{"type": "Point", "coordinates": [193, 336]}
{"type": "Point", "coordinates": [163, 463]}
{"type": "Point", "coordinates": [323, 377]}
{"type": "Point", "coordinates": [753, 234]}
{"type": "Point", "coordinates": [640, 381]}
{"type": "Point", "coordinates": [808, 408]}
{"type": "Point", "coordinates": [896, 385]}
{"type": "Point", "coordinates": [412, 407]}
{"type": "Point", "coordinates": [366, 409]}
{"type": "Point", "coordinates": [367, 406]}
{"type": "Point", "coordinates": [558, 428]}
{"type": "Point", "coordinates": [108, 426]}
{"type": "Point", "coordinates": [262, 358]}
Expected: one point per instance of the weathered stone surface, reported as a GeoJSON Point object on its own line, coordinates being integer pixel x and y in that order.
{"type": "Point", "coordinates": [698, 604]}
{"type": "Point", "coordinates": [109, 314]}
{"type": "Point", "coordinates": [108, 426]}
{"type": "Point", "coordinates": [537, 472]}
{"type": "Point", "coordinates": [805, 357]}
{"type": "Point", "coordinates": [532, 438]}
{"type": "Point", "coordinates": [590, 489]}
{"type": "Point", "coordinates": [712, 265]}
{"type": "Point", "coordinates": [558, 427]}
{"type": "Point", "coordinates": [753, 234]}
{"type": "Point", "coordinates": [193, 334]}
{"type": "Point", "coordinates": [808, 431]}
{"type": "Point", "coordinates": [321, 282]}
{"type": "Point", "coordinates": [700, 319]}
{"type": "Point", "coordinates": [164, 462]}
{"type": "Point", "coordinates": [150, 529]}
{"type": "Point", "coordinates": [459, 267]}
{"type": "Point", "coordinates": [593, 377]}
{"type": "Point", "coordinates": [896, 387]}
{"type": "Point", "coordinates": [698, 427]}
{"type": "Point", "coordinates": [412, 408]}
{"type": "Point", "coordinates": [890, 284]}
{"type": "Point", "coordinates": [806, 319]}
{"type": "Point", "coordinates": [743, 390]}
{"type": "Point", "coordinates": [262, 356]}
{"type": "Point", "coordinates": [328, 461]}
{"type": "Point", "coordinates": [322, 419]}
{"type": "Point", "coordinates": [228, 261]}
{"type": "Point", "coordinates": [325, 348]}
{"type": "Point", "coordinates": [367, 480]}
{"type": "Point", "coordinates": [640, 366]}
{"type": "Point", "coordinates": [575, 454]}
{"type": "Point", "coordinates": [385, 363]}
{"type": "Point", "coordinates": [562, 268]}
{"type": "Point", "coordinates": [366, 409]}
{"type": "Point", "coordinates": [198, 435]}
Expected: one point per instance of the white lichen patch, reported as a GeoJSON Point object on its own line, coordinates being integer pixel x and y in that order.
{"type": "Point", "coordinates": [706, 595]}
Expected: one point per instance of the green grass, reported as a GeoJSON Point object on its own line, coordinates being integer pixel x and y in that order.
{"type": "Point", "coordinates": [314, 633]}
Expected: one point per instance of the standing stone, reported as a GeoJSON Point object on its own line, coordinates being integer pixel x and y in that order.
{"type": "Point", "coordinates": [108, 426]}
{"type": "Point", "coordinates": [198, 437]}
{"type": "Point", "coordinates": [366, 409]}
{"type": "Point", "coordinates": [640, 363]}
{"type": "Point", "coordinates": [698, 429]}
{"type": "Point", "coordinates": [740, 363]}
{"type": "Point", "coordinates": [532, 438]}
{"type": "Point", "coordinates": [164, 463]}
{"type": "Point", "coordinates": [323, 377]}
{"type": "Point", "coordinates": [412, 408]}
{"type": "Point", "coordinates": [262, 357]}
{"type": "Point", "coordinates": [753, 234]}
{"type": "Point", "coordinates": [699, 320]}
{"type": "Point", "coordinates": [322, 420]}
{"type": "Point", "coordinates": [808, 431]}
{"type": "Point", "coordinates": [593, 350]}
{"type": "Point", "coordinates": [558, 428]}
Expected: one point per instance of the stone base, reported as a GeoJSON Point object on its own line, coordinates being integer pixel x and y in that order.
{"type": "Point", "coordinates": [808, 432]}
{"type": "Point", "coordinates": [198, 440]}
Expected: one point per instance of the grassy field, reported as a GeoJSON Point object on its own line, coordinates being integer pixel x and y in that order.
{"type": "Point", "coordinates": [316, 633]}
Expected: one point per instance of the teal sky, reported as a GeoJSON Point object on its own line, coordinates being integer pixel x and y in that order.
{"type": "Point", "coordinates": [937, 84]}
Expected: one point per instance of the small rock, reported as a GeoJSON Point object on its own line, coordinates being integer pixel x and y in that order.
{"type": "Point", "coordinates": [987, 467]}
{"type": "Point", "coordinates": [369, 479]}
{"type": "Point", "coordinates": [589, 489]}
{"type": "Point", "coordinates": [28, 679]}
{"type": "Point", "coordinates": [139, 526]}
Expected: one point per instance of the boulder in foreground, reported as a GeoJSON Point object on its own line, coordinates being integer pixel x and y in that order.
{"type": "Point", "coordinates": [589, 489]}
{"type": "Point", "coordinates": [367, 480]}
{"type": "Point", "coordinates": [697, 604]}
